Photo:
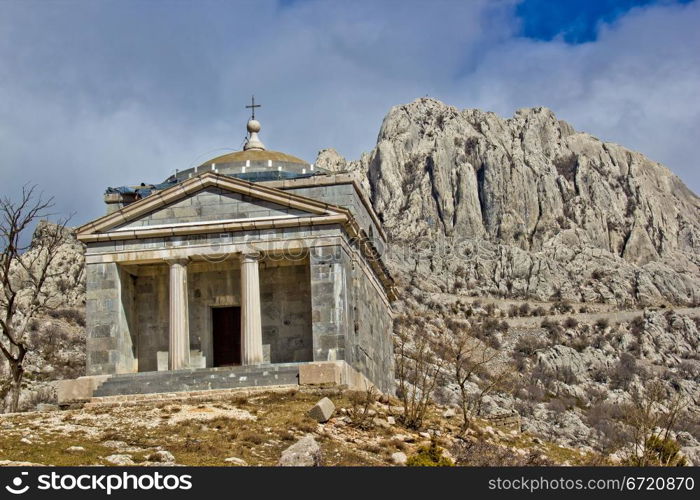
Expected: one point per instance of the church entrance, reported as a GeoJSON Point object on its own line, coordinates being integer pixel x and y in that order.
{"type": "Point", "coordinates": [226, 331]}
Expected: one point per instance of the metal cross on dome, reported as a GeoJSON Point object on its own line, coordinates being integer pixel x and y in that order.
{"type": "Point", "coordinates": [253, 106]}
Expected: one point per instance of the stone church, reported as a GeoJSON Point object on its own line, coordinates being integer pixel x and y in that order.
{"type": "Point", "coordinates": [253, 268]}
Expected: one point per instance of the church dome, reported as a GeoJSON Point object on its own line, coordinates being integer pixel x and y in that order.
{"type": "Point", "coordinates": [255, 162]}
{"type": "Point", "coordinates": [255, 156]}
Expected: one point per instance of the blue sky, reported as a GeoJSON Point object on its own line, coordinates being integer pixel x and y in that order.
{"type": "Point", "coordinates": [110, 92]}
{"type": "Point", "coordinates": [574, 21]}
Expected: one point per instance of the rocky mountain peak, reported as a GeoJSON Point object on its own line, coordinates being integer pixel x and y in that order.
{"type": "Point", "coordinates": [534, 187]}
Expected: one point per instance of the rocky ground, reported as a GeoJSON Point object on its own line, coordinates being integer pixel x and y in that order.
{"type": "Point", "coordinates": [255, 428]}
{"type": "Point", "coordinates": [573, 370]}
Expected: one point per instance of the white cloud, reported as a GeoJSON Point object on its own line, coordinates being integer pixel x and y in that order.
{"type": "Point", "coordinates": [636, 85]}
{"type": "Point", "coordinates": [108, 93]}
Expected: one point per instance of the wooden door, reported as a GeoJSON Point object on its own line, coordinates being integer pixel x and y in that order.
{"type": "Point", "coordinates": [226, 330]}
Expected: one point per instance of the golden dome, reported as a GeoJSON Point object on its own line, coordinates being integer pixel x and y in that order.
{"type": "Point", "coordinates": [254, 156]}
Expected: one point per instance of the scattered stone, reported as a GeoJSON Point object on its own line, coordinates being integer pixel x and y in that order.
{"type": "Point", "coordinates": [75, 449]}
{"type": "Point", "coordinates": [380, 422]}
{"type": "Point", "coordinates": [449, 413]}
{"type": "Point", "coordinates": [236, 461]}
{"type": "Point", "coordinates": [304, 453]}
{"type": "Point", "coordinates": [12, 463]}
{"type": "Point", "coordinates": [120, 459]}
{"type": "Point", "coordinates": [399, 458]}
{"type": "Point", "coordinates": [406, 438]}
{"type": "Point", "coordinates": [25, 441]}
{"type": "Point", "coordinates": [391, 420]}
{"type": "Point", "coordinates": [322, 411]}
{"type": "Point", "coordinates": [47, 407]}
{"type": "Point", "coordinates": [425, 435]}
{"type": "Point", "coordinates": [162, 456]}
{"type": "Point", "coordinates": [114, 444]}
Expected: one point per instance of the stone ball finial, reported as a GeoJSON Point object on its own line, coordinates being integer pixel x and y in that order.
{"type": "Point", "coordinates": [253, 126]}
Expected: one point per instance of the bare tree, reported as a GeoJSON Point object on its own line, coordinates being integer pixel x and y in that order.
{"type": "Point", "coordinates": [24, 276]}
{"type": "Point", "coordinates": [468, 359]}
{"type": "Point", "coordinates": [417, 368]}
{"type": "Point", "coordinates": [652, 416]}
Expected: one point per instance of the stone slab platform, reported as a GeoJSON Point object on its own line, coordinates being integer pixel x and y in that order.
{"type": "Point", "coordinates": [199, 379]}
{"type": "Point", "coordinates": [128, 387]}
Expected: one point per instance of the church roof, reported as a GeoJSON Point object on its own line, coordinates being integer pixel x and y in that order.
{"type": "Point", "coordinates": [255, 155]}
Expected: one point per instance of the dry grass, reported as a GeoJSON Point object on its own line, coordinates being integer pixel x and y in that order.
{"type": "Point", "coordinates": [256, 428]}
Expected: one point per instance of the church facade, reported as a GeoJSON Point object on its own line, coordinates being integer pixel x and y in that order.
{"type": "Point", "coordinates": [254, 267]}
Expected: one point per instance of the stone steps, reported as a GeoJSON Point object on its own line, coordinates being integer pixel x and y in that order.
{"type": "Point", "coordinates": [190, 397]}
{"type": "Point", "coordinates": [204, 379]}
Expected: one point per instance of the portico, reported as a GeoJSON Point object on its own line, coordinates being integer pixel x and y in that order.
{"type": "Point", "coordinates": [251, 324]}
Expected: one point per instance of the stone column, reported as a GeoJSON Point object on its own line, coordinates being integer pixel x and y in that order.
{"type": "Point", "coordinates": [251, 325]}
{"type": "Point", "coordinates": [179, 348]}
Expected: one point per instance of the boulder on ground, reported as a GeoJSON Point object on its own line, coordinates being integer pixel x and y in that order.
{"type": "Point", "coordinates": [322, 411]}
{"type": "Point", "coordinates": [304, 453]}
{"type": "Point", "coordinates": [120, 459]}
{"type": "Point", "coordinates": [236, 461]}
{"type": "Point", "coordinates": [399, 458]}
{"type": "Point", "coordinates": [162, 456]}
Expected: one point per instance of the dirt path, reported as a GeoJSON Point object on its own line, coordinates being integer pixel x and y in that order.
{"type": "Point", "coordinates": [612, 316]}
{"type": "Point", "coordinates": [507, 303]}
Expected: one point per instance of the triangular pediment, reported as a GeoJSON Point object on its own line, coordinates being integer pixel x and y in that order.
{"type": "Point", "coordinates": [214, 204]}
{"type": "Point", "coordinates": [208, 199]}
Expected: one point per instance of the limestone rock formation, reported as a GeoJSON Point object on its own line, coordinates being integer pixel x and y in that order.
{"type": "Point", "coordinates": [528, 207]}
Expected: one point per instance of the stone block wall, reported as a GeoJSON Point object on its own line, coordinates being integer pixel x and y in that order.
{"type": "Point", "coordinates": [111, 337]}
{"type": "Point", "coordinates": [343, 195]}
{"type": "Point", "coordinates": [329, 302]}
{"type": "Point", "coordinates": [285, 295]}
{"type": "Point", "coordinates": [350, 319]}
{"type": "Point", "coordinates": [152, 314]}
{"type": "Point", "coordinates": [372, 350]}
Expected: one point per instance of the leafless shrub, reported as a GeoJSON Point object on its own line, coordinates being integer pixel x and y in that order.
{"type": "Point", "coordinates": [570, 322]}
{"type": "Point", "coordinates": [689, 369]}
{"type": "Point", "coordinates": [539, 311]}
{"type": "Point", "coordinates": [624, 371]}
{"type": "Point", "coordinates": [602, 323]}
{"type": "Point", "coordinates": [417, 368]}
{"type": "Point", "coordinates": [562, 404]}
{"type": "Point", "coordinates": [479, 453]}
{"type": "Point", "coordinates": [529, 344]}
{"type": "Point", "coordinates": [72, 315]}
{"type": "Point", "coordinates": [651, 417]}
{"type": "Point", "coordinates": [468, 360]}
{"type": "Point", "coordinates": [360, 404]}
{"type": "Point", "coordinates": [580, 342]}
{"type": "Point", "coordinates": [562, 306]}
